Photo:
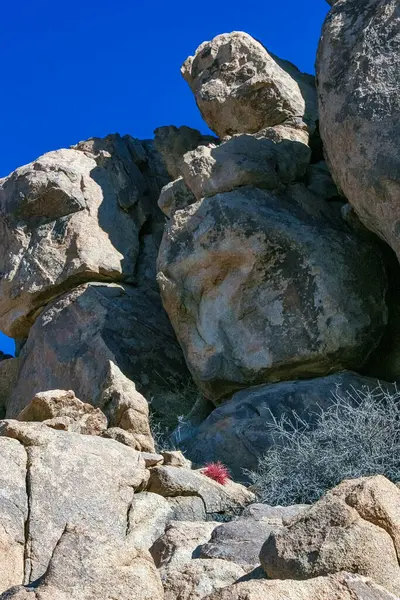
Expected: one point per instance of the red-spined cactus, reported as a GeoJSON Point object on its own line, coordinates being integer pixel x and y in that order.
{"type": "Point", "coordinates": [216, 471]}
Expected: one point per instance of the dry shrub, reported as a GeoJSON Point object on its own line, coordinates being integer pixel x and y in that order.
{"type": "Point", "coordinates": [359, 435]}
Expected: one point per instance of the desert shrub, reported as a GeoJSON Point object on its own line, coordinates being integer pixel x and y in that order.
{"type": "Point", "coordinates": [168, 411]}
{"type": "Point", "coordinates": [358, 435]}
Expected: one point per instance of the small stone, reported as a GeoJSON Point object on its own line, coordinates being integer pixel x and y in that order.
{"type": "Point", "coordinates": [151, 459]}
{"type": "Point", "coordinates": [175, 458]}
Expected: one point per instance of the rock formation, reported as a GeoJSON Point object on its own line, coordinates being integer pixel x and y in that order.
{"type": "Point", "coordinates": [242, 423]}
{"type": "Point", "coordinates": [358, 77]}
{"type": "Point", "coordinates": [349, 529]}
{"type": "Point", "coordinates": [244, 248]}
{"type": "Point", "coordinates": [240, 88]}
{"type": "Point", "coordinates": [262, 287]}
{"type": "Point", "coordinates": [80, 234]}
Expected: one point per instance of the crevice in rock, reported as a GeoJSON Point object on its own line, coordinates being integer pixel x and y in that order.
{"type": "Point", "coordinates": [128, 519]}
{"type": "Point", "coordinates": [27, 547]}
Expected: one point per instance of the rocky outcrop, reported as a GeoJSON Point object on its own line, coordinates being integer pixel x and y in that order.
{"type": "Point", "coordinates": [173, 142]}
{"type": "Point", "coordinates": [263, 287]}
{"type": "Point", "coordinates": [72, 215]}
{"type": "Point", "coordinates": [240, 88]}
{"type": "Point", "coordinates": [98, 340]}
{"type": "Point", "coordinates": [343, 587]}
{"type": "Point", "coordinates": [75, 224]}
{"type": "Point", "coordinates": [261, 161]}
{"type": "Point", "coordinates": [266, 275]}
{"type": "Point", "coordinates": [61, 409]}
{"type": "Point", "coordinates": [262, 279]}
{"type": "Point", "coordinates": [358, 75]}
{"type": "Point", "coordinates": [350, 529]}
{"type": "Point", "coordinates": [89, 566]}
{"type": "Point", "coordinates": [71, 479]}
{"type": "Point", "coordinates": [180, 543]}
{"type": "Point", "coordinates": [172, 482]}
{"type": "Point", "coordinates": [199, 578]}
{"type": "Point", "coordinates": [242, 423]}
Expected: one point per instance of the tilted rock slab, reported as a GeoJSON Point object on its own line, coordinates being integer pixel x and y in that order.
{"type": "Point", "coordinates": [238, 541]}
{"type": "Point", "coordinates": [70, 216]}
{"type": "Point", "coordinates": [240, 88]}
{"type": "Point", "coordinates": [91, 340]}
{"type": "Point", "coordinates": [264, 287]}
{"type": "Point", "coordinates": [14, 510]}
{"type": "Point", "coordinates": [67, 479]}
{"type": "Point", "coordinates": [355, 527]}
{"type": "Point", "coordinates": [358, 73]}
{"type": "Point", "coordinates": [242, 423]}
{"type": "Point", "coordinates": [86, 566]}
{"type": "Point", "coordinates": [343, 586]}
{"type": "Point", "coordinates": [177, 481]}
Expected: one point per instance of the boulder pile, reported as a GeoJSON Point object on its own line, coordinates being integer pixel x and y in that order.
{"type": "Point", "coordinates": [245, 262]}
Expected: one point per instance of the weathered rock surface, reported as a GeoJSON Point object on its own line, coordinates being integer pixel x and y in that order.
{"type": "Point", "coordinates": [175, 458]}
{"type": "Point", "coordinates": [47, 406]}
{"type": "Point", "coordinates": [151, 459]}
{"type": "Point", "coordinates": [273, 515]}
{"type": "Point", "coordinates": [359, 104]}
{"type": "Point", "coordinates": [173, 142]}
{"type": "Point", "coordinates": [180, 543]}
{"type": "Point", "coordinates": [174, 481]}
{"type": "Point", "coordinates": [72, 479]}
{"type": "Point", "coordinates": [350, 529]}
{"type": "Point", "coordinates": [8, 376]}
{"type": "Point", "coordinates": [64, 220]}
{"type": "Point", "coordinates": [148, 515]}
{"type": "Point", "coordinates": [242, 423]}
{"type": "Point", "coordinates": [264, 161]}
{"type": "Point", "coordinates": [265, 287]}
{"type": "Point", "coordinates": [84, 567]}
{"type": "Point", "coordinates": [175, 196]}
{"type": "Point", "coordinates": [343, 586]}
{"type": "Point", "coordinates": [135, 441]}
{"type": "Point", "coordinates": [240, 88]}
{"type": "Point", "coordinates": [199, 578]}
{"type": "Point", "coordinates": [238, 541]}
{"type": "Point", "coordinates": [98, 339]}
{"type": "Point", "coordinates": [13, 512]}
{"type": "Point", "coordinates": [187, 508]}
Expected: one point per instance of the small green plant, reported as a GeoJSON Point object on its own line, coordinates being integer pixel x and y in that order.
{"type": "Point", "coordinates": [358, 435]}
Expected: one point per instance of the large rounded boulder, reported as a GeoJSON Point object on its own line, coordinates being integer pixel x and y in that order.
{"type": "Point", "coordinates": [241, 88]}
{"type": "Point", "coordinates": [263, 287]}
{"type": "Point", "coordinates": [358, 72]}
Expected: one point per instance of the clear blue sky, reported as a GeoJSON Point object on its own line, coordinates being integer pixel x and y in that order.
{"type": "Point", "coordinates": [82, 68]}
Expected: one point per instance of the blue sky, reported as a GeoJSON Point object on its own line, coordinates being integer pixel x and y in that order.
{"type": "Point", "coordinates": [82, 68]}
